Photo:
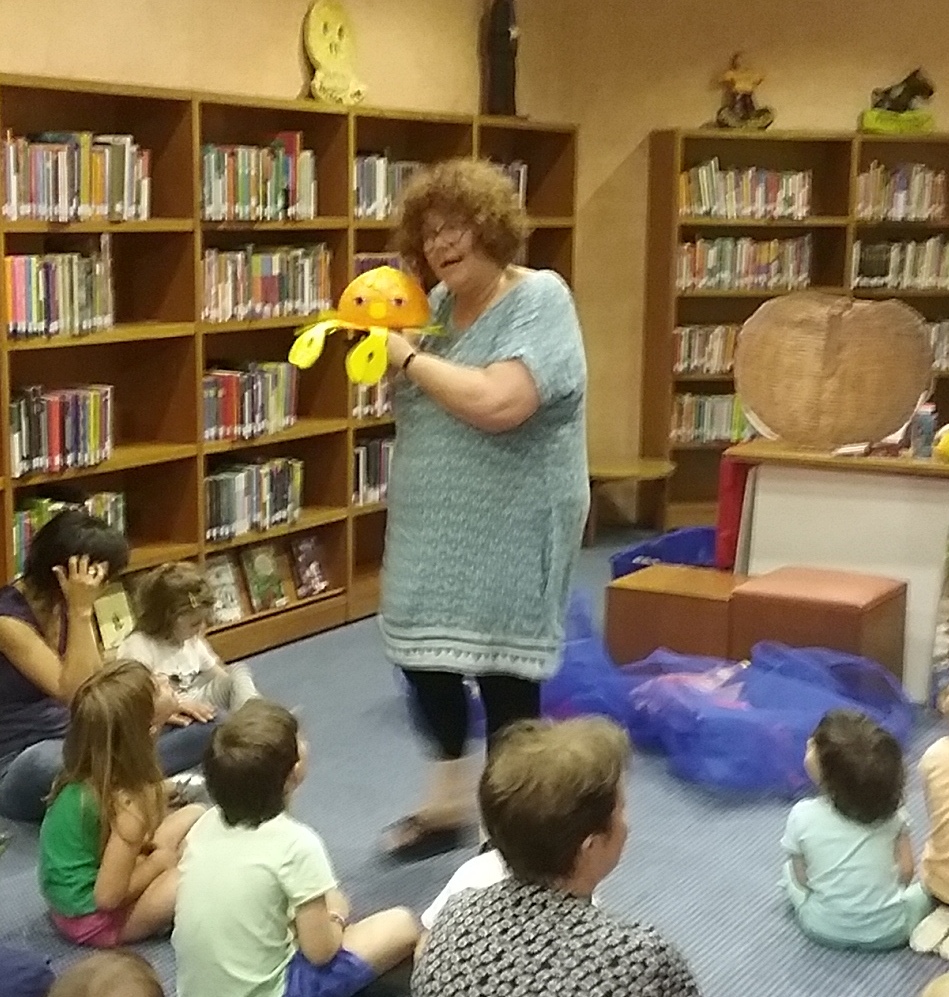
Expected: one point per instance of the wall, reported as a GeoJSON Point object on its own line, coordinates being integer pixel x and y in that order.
{"type": "Point", "coordinates": [634, 67]}
{"type": "Point", "coordinates": [619, 68]}
{"type": "Point", "coordinates": [418, 54]}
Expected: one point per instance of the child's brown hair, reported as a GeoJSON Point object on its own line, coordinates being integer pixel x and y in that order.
{"type": "Point", "coordinates": [119, 973]}
{"type": "Point", "coordinates": [169, 592]}
{"type": "Point", "coordinates": [109, 746]}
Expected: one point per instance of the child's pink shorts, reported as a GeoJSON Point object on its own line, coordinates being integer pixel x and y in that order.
{"type": "Point", "coordinates": [101, 930]}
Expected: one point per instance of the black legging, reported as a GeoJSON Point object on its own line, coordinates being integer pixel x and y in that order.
{"type": "Point", "coordinates": [442, 706]}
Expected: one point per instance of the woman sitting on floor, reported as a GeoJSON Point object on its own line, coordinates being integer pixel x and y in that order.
{"type": "Point", "coordinates": [48, 648]}
{"type": "Point", "coordinates": [553, 801]}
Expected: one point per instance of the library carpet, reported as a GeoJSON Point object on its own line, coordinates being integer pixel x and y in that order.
{"type": "Point", "coordinates": [702, 869]}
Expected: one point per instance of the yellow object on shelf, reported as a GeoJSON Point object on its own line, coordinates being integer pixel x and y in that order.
{"type": "Point", "coordinates": [883, 122]}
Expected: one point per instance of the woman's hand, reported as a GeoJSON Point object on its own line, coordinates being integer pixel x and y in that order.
{"type": "Point", "coordinates": [399, 346]}
{"type": "Point", "coordinates": [81, 582]}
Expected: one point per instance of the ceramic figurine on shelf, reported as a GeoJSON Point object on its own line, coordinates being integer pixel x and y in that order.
{"type": "Point", "coordinates": [898, 108]}
{"type": "Point", "coordinates": [375, 302]}
{"type": "Point", "coordinates": [330, 48]}
{"type": "Point", "coordinates": [499, 59]}
{"type": "Point", "coordinates": [738, 108]}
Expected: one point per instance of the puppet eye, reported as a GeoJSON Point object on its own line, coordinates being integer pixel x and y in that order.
{"type": "Point", "coordinates": [398, 302]}
{"type": "Point", "coordinates": [359, 300]}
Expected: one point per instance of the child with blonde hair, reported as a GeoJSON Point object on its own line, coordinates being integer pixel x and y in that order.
{"type": "Point", "coordinates": [849, 874]}
{"type": "Point", "coordinates": [174, 605]}
{"type": "Point", "coordinates": [108, 864]}
{"type": "Point", "coordinates": [109, 974]}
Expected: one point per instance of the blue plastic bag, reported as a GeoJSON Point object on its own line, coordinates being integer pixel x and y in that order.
{"type": "Point", "coordinates": [693, 545]}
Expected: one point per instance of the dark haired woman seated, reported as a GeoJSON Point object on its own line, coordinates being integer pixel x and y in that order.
{"type": "Point", "coordinates": [48, 648]}
{"type": "Point", "coordinates": [553, 801]}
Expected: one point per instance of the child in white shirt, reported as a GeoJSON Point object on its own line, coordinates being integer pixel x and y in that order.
{"type": "Point", "coordinates": [259, 909]}
{"type": "Point", "coordinates": [174, 605]}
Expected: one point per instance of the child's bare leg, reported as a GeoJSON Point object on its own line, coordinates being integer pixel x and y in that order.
{"type": "Point", "coordinates": [173, 829]}
{"type": "Point", "coordinates": [383, 940]}
{"type": "Point", "coordinates": [154, 910]}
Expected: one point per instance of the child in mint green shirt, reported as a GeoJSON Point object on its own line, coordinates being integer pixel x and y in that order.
{"type": "Point", "coordinates": [849, 875]}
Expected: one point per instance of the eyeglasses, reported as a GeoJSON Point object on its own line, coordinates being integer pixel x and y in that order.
{"type": "Point", "coordinates": [449, 231]}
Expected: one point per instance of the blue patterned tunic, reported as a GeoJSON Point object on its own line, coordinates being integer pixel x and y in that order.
{"type": "Point", "coordinates": [484, 528]}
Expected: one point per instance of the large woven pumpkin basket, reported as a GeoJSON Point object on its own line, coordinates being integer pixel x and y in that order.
{"type": "Point", "coordinates": [821, 371]}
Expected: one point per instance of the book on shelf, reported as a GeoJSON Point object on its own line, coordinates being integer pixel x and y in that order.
{"type": "Point", "coordinates": [915, 265]}
{"type": "Point", "coordinates": [705, 349]}
{"type": "Point", "coordinates": [378, 182]}
{"type": "Point", "coordinates": [51, 431]}
{"type": "Point", "coordinates": [371, 464]}
{"type": "Point", "coordinates": [36, 511]}
{"type": "Point", "coordinates": [114, 616]}
{"type": "Point", "coordinates": [372, 401]}
{"type": "Point", "coordinates": [257, 496]}
{"type": "Point", "coordinates": [266, 282]}
{"type": "Point", "coordinates": [231, 603]}
{"type": "Point", "coordinates": [242, 404]}
{"type": "Point", "coordinates": [308, 567]}
{"type": "Point", "coordinates": [939, 337]}
{"type": "Point", "coordinates": [912, 192]}
{"type": "Point", "coordinates": [267, 573]}
{"type": "Point", "coordinates": [752, 192]}
{"type": "Point", "coordinates": [708, 419]}
{"type": "Point", "coordinates": [516, 173]}
{"type": "Point", "coordinates": [75, 176]}
{"type": "Point", "coordinates": [369, 261]}
{"type": "Point", "coordinates": [729, 264]}
{"type": "Point", "coordinates": [54, 294]}
{"type": "Point", "coordinates": [272, 183]}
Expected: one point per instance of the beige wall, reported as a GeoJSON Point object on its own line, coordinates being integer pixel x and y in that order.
{"type": "Point", "coordinates": [636, 66]}
{"type": "Point", "coordinates": [618, 67]}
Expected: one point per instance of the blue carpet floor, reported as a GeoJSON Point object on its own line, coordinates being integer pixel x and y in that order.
{"type": "Point", "coordinates": [701, 869]}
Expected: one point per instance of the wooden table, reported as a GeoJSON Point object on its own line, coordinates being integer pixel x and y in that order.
{"type": "Point", "coordinates": [609, 472]}
{"type": "Point", "coordinates": [877, 515]}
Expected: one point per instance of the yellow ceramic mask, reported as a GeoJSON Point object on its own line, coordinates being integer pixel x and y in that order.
{"type": "Point", "coordinates": [330, 46]}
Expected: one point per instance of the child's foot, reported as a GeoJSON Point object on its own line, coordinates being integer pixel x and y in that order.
{"type": "Point", "coordinates": [414, 839]}
{"type": "Point", "coordinates": [931, 933]}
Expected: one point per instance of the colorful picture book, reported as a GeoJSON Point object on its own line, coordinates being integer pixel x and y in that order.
{"type": "Point", "coordinates": [307, 567]}
{"type": "Point", "coordinates": [113, 615]}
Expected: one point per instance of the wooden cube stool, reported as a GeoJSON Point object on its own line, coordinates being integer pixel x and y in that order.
{"type": "Point", "coordinates": [681, 608]}
{"type": "Point", "coordinates": [814, 607]}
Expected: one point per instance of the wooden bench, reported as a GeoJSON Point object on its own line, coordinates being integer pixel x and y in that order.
{"type": "Point", "coordinates": [609, 472]}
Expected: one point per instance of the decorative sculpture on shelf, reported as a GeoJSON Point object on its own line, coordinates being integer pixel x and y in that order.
{"type": "Point", "coordinates": [375, 302]}
{"type": "Point", "coordinates": [898, 108]}
{"type": "Point", "coordinates": [499, 38]}
{"type": "Point", "coordinates": [738, 108]}
{"type": "Point", "coordinates": [330, 48]}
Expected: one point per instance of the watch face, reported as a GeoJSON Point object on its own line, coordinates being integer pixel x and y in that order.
{"type": "Point", "coordinates": [329, 37]}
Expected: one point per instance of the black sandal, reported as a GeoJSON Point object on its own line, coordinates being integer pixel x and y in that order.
{"type": "Point", "coordinates": [418, 840]}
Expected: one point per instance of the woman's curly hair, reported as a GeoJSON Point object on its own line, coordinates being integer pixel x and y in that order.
{"type": "Point", "coordinates": [473, 192]}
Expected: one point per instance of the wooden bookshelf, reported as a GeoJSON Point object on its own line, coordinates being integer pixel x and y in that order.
{"type": "Point", "coordinates": [157, 351]}
{"type": "Point", "coordinates": [835, 160]}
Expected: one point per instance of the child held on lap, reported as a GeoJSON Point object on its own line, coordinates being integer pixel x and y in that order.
{"type": "Point", "coordinates": [174, 608]}
{"type": "Point", "coordinates": [108, 852]}
{"type": "Point", "coordinates": [259, 910]}
{"type": "Point", "coordinates": [850, 858]}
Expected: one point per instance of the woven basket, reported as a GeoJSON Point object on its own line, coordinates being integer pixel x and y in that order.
{"type": "Point", "coordinates": [820, 370]}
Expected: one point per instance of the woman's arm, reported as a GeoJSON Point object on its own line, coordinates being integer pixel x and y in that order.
{"type": "Point", "coordinates": [799, 867]}
{"type": "Point", "coordinates": [36, 660]}
{"type": "Point", "coordinates": [494, 399]}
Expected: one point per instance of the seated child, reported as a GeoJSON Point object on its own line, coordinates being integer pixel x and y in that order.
{"type": "Point", "coordinates": [109, 974]}
{"type": "Point", "coordinates": [108, 851]}
{"type": "Point", "coordinates": [174, 605]}
{"type": "Point", "coordinates": [276, 923]}
{"type": "Point", "coordinates": [931, 935]}
{"type": "Point", "coordinates": [850, 860]}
